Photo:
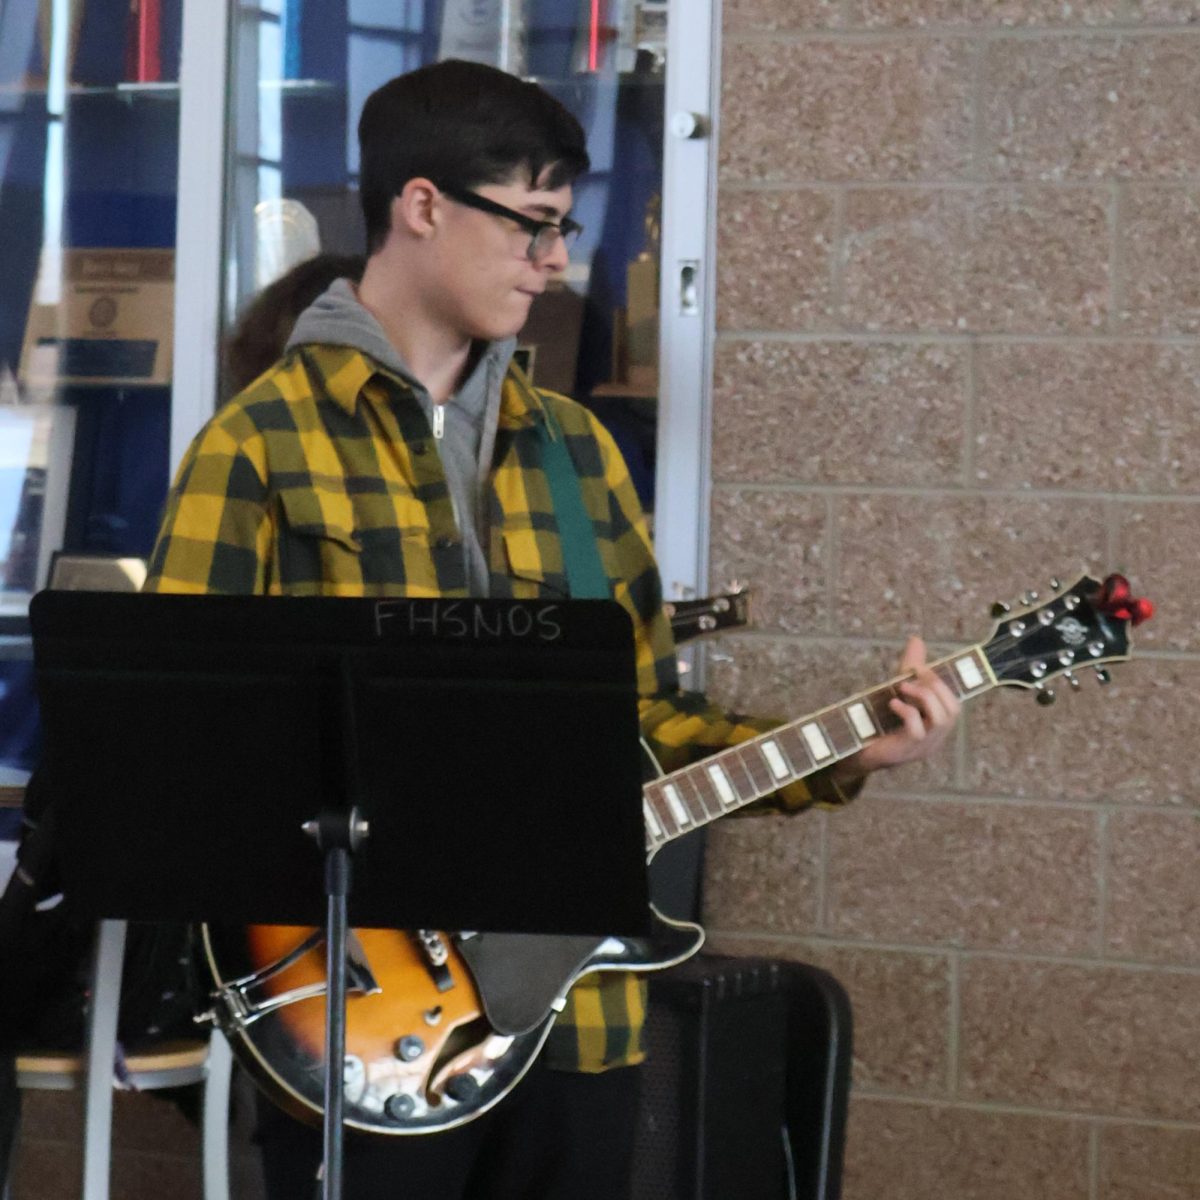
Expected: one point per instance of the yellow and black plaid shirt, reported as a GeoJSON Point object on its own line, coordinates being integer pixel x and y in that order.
{"type": "Point", "coordinates": [322, 479]}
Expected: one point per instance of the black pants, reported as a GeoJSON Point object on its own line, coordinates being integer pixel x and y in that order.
{"type": "Point", "coordinates": [557, 1136]}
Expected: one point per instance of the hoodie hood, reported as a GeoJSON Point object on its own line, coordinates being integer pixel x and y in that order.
{"type": "Point", "coordinates": [465, 428]}
{"type": "Point", "coordinates": [338, 318]}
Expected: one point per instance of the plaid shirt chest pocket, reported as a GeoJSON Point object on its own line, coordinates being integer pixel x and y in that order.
{"type": "Point", "coordinates": [533, 566]}
{"type": "Point", "coordinates": [377, 542]}
{"type": "Point", "coordinates": [318, 550]}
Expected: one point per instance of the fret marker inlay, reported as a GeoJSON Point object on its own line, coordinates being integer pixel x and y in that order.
{"type": "Point", "coordinates": [721, 782]}
{"type": "Point", "coordinates": [656, 829]}
{"type": "Point", "coordinates": [775, 760]}
{"type": "Point", "coordinates": [860, 718]}
{"type": "Point", "coordinates": [816, 741]}
{"type": "Point", "coordinates": [968, 672]}
{"type": "Point", "coordinates": [678, 808]}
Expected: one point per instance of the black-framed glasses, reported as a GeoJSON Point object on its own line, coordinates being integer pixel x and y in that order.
{"type": "Point", "coordinates": [542, 234]}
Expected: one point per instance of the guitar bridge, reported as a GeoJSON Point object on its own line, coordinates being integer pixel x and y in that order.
{"type": "Point", "coordinates": [437, 955]}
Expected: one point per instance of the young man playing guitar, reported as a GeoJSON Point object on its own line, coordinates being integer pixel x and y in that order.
{"type": "Point", "coordinates": [395, 451]}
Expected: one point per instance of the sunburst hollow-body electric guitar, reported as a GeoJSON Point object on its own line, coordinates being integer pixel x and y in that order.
{"type": "Point", "coordinates": [441, 1026]}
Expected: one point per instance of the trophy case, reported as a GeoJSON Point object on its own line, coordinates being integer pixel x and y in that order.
{"type": "Point", "coordinates": [163, 160]}
{"type": "Point", "coordinates": [89, 147]}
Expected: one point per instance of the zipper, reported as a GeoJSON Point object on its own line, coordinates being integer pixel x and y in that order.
{"type": "Point", "coordinates": [439, 420]}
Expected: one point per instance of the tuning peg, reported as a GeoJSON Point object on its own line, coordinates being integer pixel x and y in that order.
{"type": "Point", "coordinates": [1029, 598]}
{"type": "Point", "coordinates": [1072, 680]}
{"type": "Point", "coordinates": [1045, 696]}
{"type": "Point", "coordinates": [999, 609]}
{"type": "Point", "coordinates": [1103, 674]}
{"type": "Point", "coordinates": [1055, 585]}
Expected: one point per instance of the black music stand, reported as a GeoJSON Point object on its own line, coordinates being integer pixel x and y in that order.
{"type": "Point", "coordinates": [190, 739]}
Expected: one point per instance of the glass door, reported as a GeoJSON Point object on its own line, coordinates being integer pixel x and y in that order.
{"type": "Point", "coordinates": [89, 114]}
{"type": "Point", "coordinates": [302, 71]}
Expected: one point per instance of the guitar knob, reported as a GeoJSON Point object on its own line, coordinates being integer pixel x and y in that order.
{"type": "Point", "coordinates": [1000, 609]}
{"type": "Point", "coordinates": [1103, 675]}
{"type": "Point", "coordinates": [1045, 696]}
{"type": "Point", "coordinates": [463, 1088]}
{"type": "Point", "coordinates": [409, 1049]}
{"type": "Point", "coordinates": [399, 1106]}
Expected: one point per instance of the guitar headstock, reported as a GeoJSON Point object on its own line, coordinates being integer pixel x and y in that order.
{"type": "Point", "coordinates": [709, 614]}
{"type": "Point", "coordinates": [1084, 625]}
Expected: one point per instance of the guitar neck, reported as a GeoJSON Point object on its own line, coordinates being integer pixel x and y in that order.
{"type": "Point", "coordinates": [689, 798]}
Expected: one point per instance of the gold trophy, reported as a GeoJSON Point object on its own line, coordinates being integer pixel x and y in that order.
{"type": "Point", "coordinates": [641, 307]}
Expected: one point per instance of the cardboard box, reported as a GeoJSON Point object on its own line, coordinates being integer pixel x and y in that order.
{"type": "Point", "coordinates": [113, 326]}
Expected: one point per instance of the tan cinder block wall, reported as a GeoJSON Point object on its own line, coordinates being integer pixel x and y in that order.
{"type": "Point", "coordinates": [959, 353]}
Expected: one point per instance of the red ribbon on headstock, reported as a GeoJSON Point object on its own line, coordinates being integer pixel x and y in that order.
{"type": "Point", "coordinates": [1116, 600]}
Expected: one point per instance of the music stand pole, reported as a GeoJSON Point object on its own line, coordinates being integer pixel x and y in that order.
{"type": "Point", "coordinates": [338, 834]}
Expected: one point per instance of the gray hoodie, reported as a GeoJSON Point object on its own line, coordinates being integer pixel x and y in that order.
{"type": "Point", "coordinates": [469, 417]}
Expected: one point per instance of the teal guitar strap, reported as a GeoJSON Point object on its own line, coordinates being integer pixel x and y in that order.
{"type": "Point", "coordinates": [586, 577]}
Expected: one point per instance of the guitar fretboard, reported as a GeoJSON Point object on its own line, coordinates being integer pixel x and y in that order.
{"type": "Point", "coordinates": [686, 799]}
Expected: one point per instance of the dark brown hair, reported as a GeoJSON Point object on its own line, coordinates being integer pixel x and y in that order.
{"type": "Point", "coordinates": [258, 339]}
{"type": "Point", "coordinates": [460, 124]}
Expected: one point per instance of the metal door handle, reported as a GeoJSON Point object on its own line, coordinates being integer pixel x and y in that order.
{"type": "Point", "coordinates": [689, 291]}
